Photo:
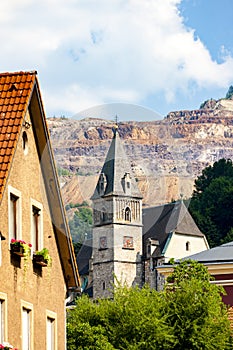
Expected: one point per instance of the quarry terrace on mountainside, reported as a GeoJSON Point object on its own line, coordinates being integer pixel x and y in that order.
{"type": "Point", "coordinates": [166, 155]}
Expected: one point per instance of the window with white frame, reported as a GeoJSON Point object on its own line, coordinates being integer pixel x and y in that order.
{"type": "Point", "coordinates": [27, 325]}
{"type": "Point", "coordinates": [3, 317]}
{"type": "Point", "coordinates": [51, 330]}
{"type": "Point", "coordinates": [36, 225]}
{"type": "Point", "coordinates": [14, 213]}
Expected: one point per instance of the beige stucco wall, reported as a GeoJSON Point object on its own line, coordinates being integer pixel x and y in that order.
{"type": "Point", "coordinates": [177, 246]}
{"type": "Point", "coordinates": [44, 288]}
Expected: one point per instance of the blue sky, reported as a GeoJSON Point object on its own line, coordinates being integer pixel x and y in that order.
{"type": "Point", "coordinates": [161, 55]}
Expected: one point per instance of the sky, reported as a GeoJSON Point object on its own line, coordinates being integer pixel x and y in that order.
{"type": "Point", "coordinates": [138, 59]}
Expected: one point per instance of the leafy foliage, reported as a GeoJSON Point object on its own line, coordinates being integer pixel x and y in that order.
{"type": "Point", "coordinates": [132, 321]}
{"type": "Point", "coordinates": [63, 172]}
{"type": "Point", "coordinates": [211, 204]}
{"type": "Point", "coordinates": [195, 310]}
{"type": "Point", "coordinates": [81, 223]}
{"type": "Point", "coordinates": [187, 315]}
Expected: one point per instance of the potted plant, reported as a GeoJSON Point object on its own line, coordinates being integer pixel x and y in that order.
{"type": "Point", "coordinates": [20, 247]}
{"type": "Point", "coordinates": [42, 257]}
{"type": "Point", "coordinates": [6, 346]}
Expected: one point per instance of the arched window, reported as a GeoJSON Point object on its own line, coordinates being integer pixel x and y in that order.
{"type": "Point", "coordinates": [104, 216]}
{"type": "Point", "coordinates": [25, 143]}
{"type": "Point", "coordinates": [127, 214]}
{"type": "Point", "coordinates": [187, 246]}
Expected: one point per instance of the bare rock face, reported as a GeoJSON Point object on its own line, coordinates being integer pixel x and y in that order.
{"type": "Point", "coordinates": [166, 156]}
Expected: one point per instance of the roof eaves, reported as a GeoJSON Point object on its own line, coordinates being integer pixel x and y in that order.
{"type": "Point", "coordinates": [167, 243]}
{"type": "Point", "coordinates": [56, 186]}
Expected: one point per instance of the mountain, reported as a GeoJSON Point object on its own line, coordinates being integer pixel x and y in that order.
{"type": "Point", "coordinates": [166, 155]}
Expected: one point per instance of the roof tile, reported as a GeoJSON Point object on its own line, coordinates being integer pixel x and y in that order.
{"type": "Point", "coordinates": [15, 91]}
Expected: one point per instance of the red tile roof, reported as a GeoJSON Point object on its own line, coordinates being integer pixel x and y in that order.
{"type": "Point", "coordinates": [15, 92]}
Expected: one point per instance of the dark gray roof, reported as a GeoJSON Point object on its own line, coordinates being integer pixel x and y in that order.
{"type": "Point", "coordinates": [83, 257]}
{"type": "Point", "coordinates": [159, 221]}
{"type": "Point", "coordinates": [116, 165]}
{"type": "Point", "coordinates": [222, 253]}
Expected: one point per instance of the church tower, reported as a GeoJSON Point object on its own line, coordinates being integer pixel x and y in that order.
{"type": "Point", "coordinates": [117, 230]}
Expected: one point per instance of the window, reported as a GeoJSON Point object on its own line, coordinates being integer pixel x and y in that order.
{"type": "Point", "coordinates": [104, 215]}
{"type": "Point", "coordinates": [51, 331]}
{"type": "Point", "coordinates": [103, 285]}
{"type": "Point", "coordinates": [3, 317]}
{"type": "Point", "coordinates": [27, 325]}
{"type": "Point", "coordinates": [14, 213]}
{"type": "Point", "coordinates": [36, 225]}
{"type": "Point", "coordinates": [2, 321]}
{"type": "Point", "coordinates": [187, 246]}
{"type": "Point", "coordinates": [26, 329]}
{"type": "Point", "coordinates": [127, 214]}
{"type": "Point", "coordinates": [25, 143]}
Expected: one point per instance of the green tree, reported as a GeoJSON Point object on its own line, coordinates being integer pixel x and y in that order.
{"type": "Point", "coordinates": [133, 320]}
{"type": "Point", "coordinates": [187, 315]}
{"type": "Point", "coordinates": [211, 204]}
{"type": "Point", "coordinates": [80, 225]}
{"type": "Point", "coordinates": [195, 310]}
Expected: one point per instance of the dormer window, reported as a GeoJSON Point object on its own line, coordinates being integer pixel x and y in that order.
{"type": "Point", "coordinates": [102, 184]}
{"type": "Point", "coordinates": [126, 183]}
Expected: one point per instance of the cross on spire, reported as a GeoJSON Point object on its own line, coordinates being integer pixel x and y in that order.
{"type": "Point", "coordinates": [116, 125]}
{"type": "Point", "coordinates": [116, 120]}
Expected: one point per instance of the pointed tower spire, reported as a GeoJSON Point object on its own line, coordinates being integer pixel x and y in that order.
{"type": "Point", "coordinates": [116, 177]}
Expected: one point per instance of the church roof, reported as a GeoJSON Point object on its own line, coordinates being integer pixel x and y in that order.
{"type": "Point", "coordinates": [115, 167]}
{"type": "Point", "coordinates": [83, 257]}
{"type": "Point", "coordinates": [160, 221]}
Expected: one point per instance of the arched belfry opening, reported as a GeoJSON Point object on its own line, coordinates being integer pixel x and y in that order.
{"type": "Point", "coordinates": [127, 214]}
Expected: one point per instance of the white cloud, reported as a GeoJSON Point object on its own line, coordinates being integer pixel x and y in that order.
{"type": "Point", "coordinates": [90, 52]}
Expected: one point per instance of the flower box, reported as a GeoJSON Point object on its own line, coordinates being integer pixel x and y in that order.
{"type": "Point", "coordinates": [40, 260]}
{"type": "Point", "coordinates": [7, 346]}
{"type": "Point", "coordinates": [18, 250]}
{"type": "Point", "coordinates": [42, 257]}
